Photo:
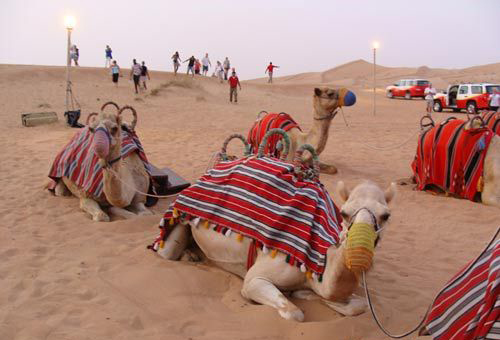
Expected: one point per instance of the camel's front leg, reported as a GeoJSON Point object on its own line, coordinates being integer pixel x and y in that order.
{"type": "Point", "coordinates": [140, 209]}
{"type": "Point", "coordinates": [327, 168]}
{"type": "Point", "coordinates": [263, 291]}
{"type": "Point", "coordinates": [176, 242]}
{"type": "Point", "coordinates": [354, 306]}
{"type": "Point", "coordinates": [120, 212]}
{"type": "Point", "coordinates": [92, 207]}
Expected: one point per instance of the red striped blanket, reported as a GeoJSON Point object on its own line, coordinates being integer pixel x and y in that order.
{"type": "Point", "coordinates": [492, 120]}
{"type": "Point", "coordinates": [261, 199]}
{"type": "Point", "coordinates": [469, 306]}
{"type": "Point", "coordinates": [262, 126]}
{"type": "Point", "coordinates": [78, 161]}
{"type": "Point", "coordinates": [452, 158]}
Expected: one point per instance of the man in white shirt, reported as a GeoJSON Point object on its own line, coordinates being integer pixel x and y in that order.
{"type": "Point", "coordinates": [430, 92]}
{"type": "Point", "coordinates": [495, 100]}
{"type": "Point", "coordinates": [205, 62]}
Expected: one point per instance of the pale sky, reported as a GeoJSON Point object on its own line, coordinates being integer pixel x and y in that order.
{"type": "Point", "coordinates": [299, 36]}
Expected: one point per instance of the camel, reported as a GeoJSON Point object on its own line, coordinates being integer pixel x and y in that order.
{"type": "Point", "coordinates": [270, 275]}
{"type": "Point", "coordinates": [490, 193]}
{"type": "Point", "coordinates": [326, 102]}
{"type": "Point", "coordinates": [123, 178]}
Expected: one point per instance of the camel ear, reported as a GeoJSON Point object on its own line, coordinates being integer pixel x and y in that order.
{"type": "Point", "coordinates": [343, 192]}
{"type": "Point", "coordinates": [317, 91]}
{"type": "Point", "coordinates": [390, 192]}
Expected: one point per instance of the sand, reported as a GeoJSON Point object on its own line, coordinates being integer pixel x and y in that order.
{"type": "Point", "coordinates": [63, 276]}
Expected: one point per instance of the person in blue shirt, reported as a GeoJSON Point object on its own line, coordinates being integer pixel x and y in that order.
{"type": "Point", "coordinates": [109, 56]}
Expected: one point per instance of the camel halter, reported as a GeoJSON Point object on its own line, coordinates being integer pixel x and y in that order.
{"type": "Point", "coordinates": [330, 115]}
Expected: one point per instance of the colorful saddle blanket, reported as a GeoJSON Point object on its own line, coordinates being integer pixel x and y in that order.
{"type": "Point", "coordinates": [492, 120]}
{"type": "Point", "coordinates": [262, 126]}
{"type": "Point", "coordinates": [469, 306]}
{"type": "Point", "coordinates": [78, 161]}
{"type": "Point", "coordinates": [262, 199]}
{"type": "Point", "coordinates": [452, 158]}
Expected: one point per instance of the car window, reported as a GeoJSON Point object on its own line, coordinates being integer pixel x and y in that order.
{"type": "Point", "coordinates": [412, 82]}
{"type": "Point", "coordinates": [463, 89]}
{"type": "Point", "coordinates": [422, 82]}
{"type": "Point", "coordinates": [491, 88]}
{"type": "Point", "coordinates": [402, 83]}
{"type": "Point", "coordinates": [476, 89]}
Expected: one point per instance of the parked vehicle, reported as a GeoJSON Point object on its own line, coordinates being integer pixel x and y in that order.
{"type": "Point", "coordinates": [470, 97]}
{"type": "Point", "coordinates": [407, 88]}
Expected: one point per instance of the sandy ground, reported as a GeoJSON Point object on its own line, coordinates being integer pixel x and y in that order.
{"type": "Point", "coordinates": [63, 276]}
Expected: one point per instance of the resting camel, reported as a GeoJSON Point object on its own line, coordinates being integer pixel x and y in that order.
{"type": "Point", "coordinates": [326, 101]}
{"type": "Point", "coordinates": [483, 186]}
{"type": "Point", "coordinates": [122, 177]}
{"type": "Point", "coordinates": [366, 205]}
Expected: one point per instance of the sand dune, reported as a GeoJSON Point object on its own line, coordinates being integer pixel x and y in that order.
{"type": "Point", "coordinates": [360, 73]}
{"type": "Point", "coordinates": [66, 277]}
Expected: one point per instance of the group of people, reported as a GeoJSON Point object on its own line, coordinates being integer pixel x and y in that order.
{"type": "Point", "coordinates": [195, 66]}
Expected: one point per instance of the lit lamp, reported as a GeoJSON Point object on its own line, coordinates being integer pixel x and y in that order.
{"type": "Point", "coordinates": [375, 46]}
{"type": "Point", "coordinates": [69, 22]}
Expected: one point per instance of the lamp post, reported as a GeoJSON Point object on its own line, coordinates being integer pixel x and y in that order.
{"type": "Point", "coordinates": [375, 46]}
{"type": "Point", "coordinates": [69, 22]}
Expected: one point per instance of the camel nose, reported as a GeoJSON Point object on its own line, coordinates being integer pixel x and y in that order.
{"type": "Point", "coordinates": [349, 98]}
{"type": "Point", "coordinates": [101, 142]}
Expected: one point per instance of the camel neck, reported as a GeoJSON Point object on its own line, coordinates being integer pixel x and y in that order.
{"type": "Point", "coordinates": [318, 135]}
{"type": "Point", "coordinates": [112, 186]}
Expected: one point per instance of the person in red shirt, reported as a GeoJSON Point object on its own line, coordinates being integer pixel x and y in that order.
{"type": "Point", "coordinates": [269, 70]}
{"type": "Point", "coordinates": [234, 82]}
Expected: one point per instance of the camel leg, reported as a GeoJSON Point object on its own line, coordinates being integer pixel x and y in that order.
{"type": "Point", "coordinates": [263, 291]}
{"type": "Point", "coordinates": [92, 207]}
{"type": "Point", "coordinates": [354, 306]}
{"type": "Point", "coordinates": [327, 168]}
{"type": "Point", "coordinates": [61, 189]}
{"type": "Point", "coordinates": [305, 294]}
{"type": "Point", "coordinates": [140, 209]}
{"type": "Point", "coordinates": [176, 242]}
{"type": "Point", "coordinates": [120, 212]}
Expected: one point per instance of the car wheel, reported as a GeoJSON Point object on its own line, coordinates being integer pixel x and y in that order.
{"type": "Point", "coordinates": [437, 106]}
{"type": "Point", "coordinates": [407, 95]}
{"type": "Point", "coordinates": [471, 107]}
{"type": "Point", "coordinates": [389, 94]}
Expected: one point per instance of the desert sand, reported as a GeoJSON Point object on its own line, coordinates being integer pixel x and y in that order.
{"type": "Point", "coordinates": [64, 276]}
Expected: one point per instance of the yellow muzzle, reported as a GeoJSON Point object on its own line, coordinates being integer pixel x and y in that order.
{"type": "Point", "coordinates": [360, 246]}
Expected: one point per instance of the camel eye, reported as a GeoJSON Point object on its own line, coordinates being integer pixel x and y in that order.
{"type": "Point", "coordinates": [91, 129]}
{"type": "Point", "coordinates": [114, 130]}
{"type": "Point", "coordinates": [331, 94]}
{"type": "Point", "coordinates": [385, 217]}
{"type": "Point", "coordinates": [344, 214]}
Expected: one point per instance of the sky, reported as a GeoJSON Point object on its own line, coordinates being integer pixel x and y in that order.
{"type": "Point", "coordinates": [299, 36]}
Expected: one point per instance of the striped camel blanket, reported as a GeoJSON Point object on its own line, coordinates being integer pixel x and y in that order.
{"type": "Point", "coordinates": [261, 198]}
{"type": "Point", "coordinates": [492, 120]}
{"type": "Point", "coordinates": [270, 121]}
{"type": "Point", "coordinates": [452, 158]}
{"type": "Point", "coordinates": [469, 306]}
{"type": "Point", "coordinates": [78, 161]}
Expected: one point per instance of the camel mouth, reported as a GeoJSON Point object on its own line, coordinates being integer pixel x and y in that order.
{"type": "Point", "coordinates": [349, 99]}
{"type": "Point", "coordinates": [360, 247]}
{"type": "Point", "coordinates": [101, 142]}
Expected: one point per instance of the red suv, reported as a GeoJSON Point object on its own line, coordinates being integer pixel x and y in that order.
{"type": "Point", "coordinates": [407, 88]}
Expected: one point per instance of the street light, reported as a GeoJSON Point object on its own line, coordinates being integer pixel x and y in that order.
{"type": "Point", "coordinates": [375, 46]}
{"type": "Point", "coordinates": [69, 22]}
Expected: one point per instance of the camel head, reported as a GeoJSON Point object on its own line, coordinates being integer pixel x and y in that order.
{"type": "Point", "coordinates": [326, 100]}
{"type": "Point", "coordinates": [365, 211]}
{"type": "Point", "coordinates": [107, 129]}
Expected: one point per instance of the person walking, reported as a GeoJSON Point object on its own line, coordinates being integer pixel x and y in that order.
{"type": "Point", "coordinates": [234, 83]}
{"type": "Point", "coordinates": [115, 72]}
{"type": "Point", "coordinates": [219, 71]}
{"type": "Point", "coordinates": [109, 56]}
{"type": "Point", "coordinates": [74, 53]}
{"type": "Point", "coordinates": [197, 66]}
{"type": "Point", "coordinates": [269, 70]}
{"type": "Point", "coordinates": [206, 63]}
{"type": "Point", "coordinates": [136, 71]}
{"type": "Point", "coordinates": [176, 58]}
{"type": "Point", "coordinates": [190, 65]}
{"type": "Point", "coordinates": [144, 75]}
{"type": "Point", "coordinates": [227, 65]}
{"type": "Point", "coordinates": [495, 100]}
{"type": "Point", "coordinates": [430, 92]}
